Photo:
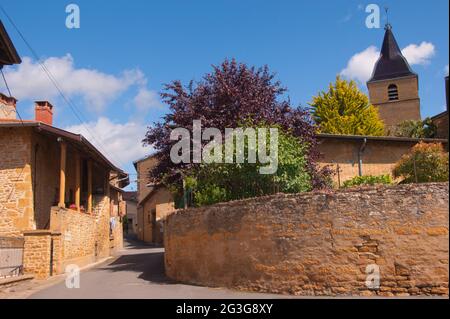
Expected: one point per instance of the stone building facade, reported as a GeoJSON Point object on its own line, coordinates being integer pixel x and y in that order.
{"type": "Point", "coordinates": [132, 222]}
{"type": "Point", "coordinates": [441, 119]}
{"type": "Point", "coordinates": [351, 156]}
{"type": "Point", "coordinates": [55, 182]}
{"type": "Point", "coordinates": [155, 202]}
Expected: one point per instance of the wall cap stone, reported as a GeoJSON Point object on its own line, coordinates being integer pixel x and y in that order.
{"type": "Point", "coordinates": [326, 192]}
{"type": "Point", "coordinates": [37, 232]}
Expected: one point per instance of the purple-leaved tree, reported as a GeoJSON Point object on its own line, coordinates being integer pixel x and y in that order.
{"type": "Point", "coordinates": [224, 98]}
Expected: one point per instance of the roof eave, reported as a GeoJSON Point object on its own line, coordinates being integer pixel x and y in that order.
{"type": "Point", "coordinates": [382, 138]}
{"type": "Point", "coordinates": [73, 137]}
{"type": "Point", "coordinates": [412, 75]}
{"type": "Point", "coordinates": [10, 51]}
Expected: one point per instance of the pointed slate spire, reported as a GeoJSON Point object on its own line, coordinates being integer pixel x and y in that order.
{"type": "Point", "coordinates": [391, 64]}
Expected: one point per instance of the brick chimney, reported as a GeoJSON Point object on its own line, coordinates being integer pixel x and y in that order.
{"type": "Point", "coordinates": [7, 107]}
{"type": "Point", "coordinates": [44, 112]}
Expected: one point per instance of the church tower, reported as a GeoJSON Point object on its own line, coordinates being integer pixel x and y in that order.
{"type": "Point", "coordinates": [394, 87]}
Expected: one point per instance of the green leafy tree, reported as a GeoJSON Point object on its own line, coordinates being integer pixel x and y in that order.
{"type": "Point", "coordinates": [344, 109]}
{"type": "Point", "coordinates": [425, 163]}
{"type": "Point", "coordinates": [221, 99]}
{"type": "Point", "coordinates": [212, 183]}
{"type": "Point", "coordinates": [416, 129]}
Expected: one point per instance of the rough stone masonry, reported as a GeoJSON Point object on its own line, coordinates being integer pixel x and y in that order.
{"type": "Point", "coordinates": [318, 243]}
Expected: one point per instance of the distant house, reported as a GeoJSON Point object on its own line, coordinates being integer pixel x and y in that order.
{"type": "Point", "coordinates": [354, 155]}
{"type": "Point", "coordinates": [154, 203]}
{"type": "Point", "coordinates": [131, 208]}
{"type": "Point", "coordinates": [441, 119]}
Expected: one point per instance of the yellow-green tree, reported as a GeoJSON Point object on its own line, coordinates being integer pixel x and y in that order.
{"type": "Point", "coordinates": [344, 109]}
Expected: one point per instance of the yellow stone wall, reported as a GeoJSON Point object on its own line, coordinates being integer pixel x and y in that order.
{"type": "Point", "coordinates": [317, 244]}
{"type": "Point", "coordinates": [378, 158]}
{"type": "Point", "coordinates": [16, 190]}
{"type": "Point", "coordinates": [36, 253]}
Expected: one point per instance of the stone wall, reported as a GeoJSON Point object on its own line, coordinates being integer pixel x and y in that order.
{"type": "Point", "coordinates": [318, 243]}
{"type": "Point", "coordinates": [77, 236]}
{"type": "Point", "coordinates": [86, 238]}
{"type": "Point", "coordinates": [117, 235]}
{"type": "Point", "coordinates": [102, 231]}
{"type": "Point", "coordinates": [37, 253]}
{"type": "Point", "coordinates": [379, 156]}
{"type": "Point", "coordinates": [16, 192]}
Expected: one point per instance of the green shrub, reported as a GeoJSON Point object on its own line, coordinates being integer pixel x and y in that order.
{"type": "Point", "coordinates": [368, 180]}
{"type": "Point", "coordinates": [425, 163]}
{"type": "Point", "coordinates": [210, 195]}
{"type": "Point", "coordinates": [216, 182]}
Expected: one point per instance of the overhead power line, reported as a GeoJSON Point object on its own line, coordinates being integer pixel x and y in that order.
{"type": "Point", "coordinates": [78, 114]}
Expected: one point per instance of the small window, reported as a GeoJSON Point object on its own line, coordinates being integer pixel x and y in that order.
{"type": "Point", "coordinates": [393, 92]}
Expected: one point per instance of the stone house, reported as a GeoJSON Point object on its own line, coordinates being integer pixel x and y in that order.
{"type": "Point", "coordinates": [155, 202]}
{"type": "Point", "coordinates": [350, 156]}
{"type": "Point", "coordinates": [57, 191]}
{"type": "Point", "coordinates": [131, 203]}
{"type": "Point", "coordinates": [441, 119]}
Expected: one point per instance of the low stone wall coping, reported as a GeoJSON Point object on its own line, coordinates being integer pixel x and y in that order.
{"type": "Point", "coordinates": [12, 280]}
{"type": "Point", "coordinates": [37, 232]}
{"type": "Point", "coordinates": [327, 192]}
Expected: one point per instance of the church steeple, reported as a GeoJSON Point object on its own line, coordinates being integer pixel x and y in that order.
{"type": "Point", "coordinates": [394, 87]}
{"type": "Point", "coordinates": [391, 63]}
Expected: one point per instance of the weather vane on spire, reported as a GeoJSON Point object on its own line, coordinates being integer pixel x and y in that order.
{"type": "Point", "coordinates": [388, 25]}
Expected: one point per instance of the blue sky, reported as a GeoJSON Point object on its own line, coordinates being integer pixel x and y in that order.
{"type": "Point", "coordinates": [116, 63]}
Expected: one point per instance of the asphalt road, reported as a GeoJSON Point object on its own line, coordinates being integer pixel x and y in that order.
{"type": "Point", "coordinates": [138, 272]}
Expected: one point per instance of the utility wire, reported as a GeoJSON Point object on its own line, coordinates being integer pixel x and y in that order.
{"type": "Point", "coordinates": [68, 101]}
{"type": "Point", "coordinates": [10, 95]}
{"type": "Point", "coordinates": [21, 121]}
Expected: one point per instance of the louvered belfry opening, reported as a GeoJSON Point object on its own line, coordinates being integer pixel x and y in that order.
{"type": "Point", "coordinates": [393, 92]}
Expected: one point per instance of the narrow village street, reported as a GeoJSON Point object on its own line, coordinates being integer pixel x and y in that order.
{"type": "Point", "coordinates": [137, 272]}
{"type": "Point", "coordinates": [223, 150]}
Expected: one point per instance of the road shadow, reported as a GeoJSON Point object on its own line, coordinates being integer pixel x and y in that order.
{"type": "Point", "coordinates": [150, 264]}
{"type": "Point", "coordinates": [133, 243]}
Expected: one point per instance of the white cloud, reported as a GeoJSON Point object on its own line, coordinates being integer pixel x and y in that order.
{"type": "Point", "coordinates": [119, 142]}
{"type": "Point", "coordinates": [446, 70]}
{"type": "Point", "coordinates": [360, 65]}
{"type": "Point", "coordinates": [146, 100]}
{"type": "Point", "coordinates": [29, 82]}
{"type": "Point", "coordinates": [419, 54]}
